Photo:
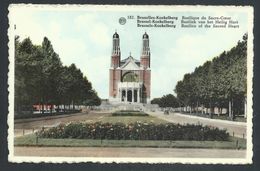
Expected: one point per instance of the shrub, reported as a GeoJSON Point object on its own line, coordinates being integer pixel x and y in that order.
{"type": "Point", "coordinates": [135, 131]}
{"type": "Point", "coordinates": [129, 113]}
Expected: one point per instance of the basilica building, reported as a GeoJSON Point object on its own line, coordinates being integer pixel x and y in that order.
{"type": "Point", "coordinates": [130, 78]}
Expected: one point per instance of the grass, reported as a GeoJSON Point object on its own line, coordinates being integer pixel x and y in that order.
{"type": "Point", "coordinates": [30, 140]}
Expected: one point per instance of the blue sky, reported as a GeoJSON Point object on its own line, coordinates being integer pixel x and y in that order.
{"type": "Point", "coordinates": [84, 36]}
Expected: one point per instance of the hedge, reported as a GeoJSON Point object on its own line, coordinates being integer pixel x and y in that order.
{"type": "Point", "coordinates": [128, 111]}
{"type": "Point", "coordinates": [135, 131]}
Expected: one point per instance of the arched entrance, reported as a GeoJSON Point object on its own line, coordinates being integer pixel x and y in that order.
{"type": "Point", "coordinates": [129, 96]}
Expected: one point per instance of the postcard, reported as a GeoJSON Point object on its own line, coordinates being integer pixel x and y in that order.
{"type": "Point", "coordinates": [130, 84]}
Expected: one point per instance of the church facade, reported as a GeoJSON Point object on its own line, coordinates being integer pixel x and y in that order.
{"type": "Point", "coordinates": [130, 78]}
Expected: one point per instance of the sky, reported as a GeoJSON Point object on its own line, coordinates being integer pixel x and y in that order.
{"type": "Point", "coordinates": [84, 36]}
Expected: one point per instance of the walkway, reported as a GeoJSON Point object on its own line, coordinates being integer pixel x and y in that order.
{"type": "Point", "coordinates": [239, 129]}
{"type": "Point", "coordinates": [127, 152]}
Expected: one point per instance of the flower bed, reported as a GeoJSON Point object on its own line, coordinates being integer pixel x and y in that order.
{"type": "Point", "coordinates": [135, 131]}
{"type": "Point", "coordinates": [129, 113]}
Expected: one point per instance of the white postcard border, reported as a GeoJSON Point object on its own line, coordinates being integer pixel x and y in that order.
{"type": "Point", "coordinates": [67, 7]}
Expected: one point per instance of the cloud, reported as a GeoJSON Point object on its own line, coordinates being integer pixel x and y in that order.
{"type": "Point", "coordinates": [96, 70]}
{"type": "Point", "coordinates": [27, 26]}
{"type": "Point", "coordinates": [93, 28]}
{"type": "Point", "coordinates": [84, 38]}
{"type": "Point", "coordinates": [55, 30]}
{"type": "Point", "coordinates": [189, 51]}
{"type": "Point", "coordinates": [70, 50]}
{"type": "Point", "coordinates": [71, 47]}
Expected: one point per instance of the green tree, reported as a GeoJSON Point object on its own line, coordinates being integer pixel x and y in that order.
{"type": "Point", "coordinates": [168, 100]}
{"type": "Point", "coordinates": [217, 83]}
{"type": "Point", "coordinates": [27, 74]}
{"type": "Point", "coordinates": [40, 78]}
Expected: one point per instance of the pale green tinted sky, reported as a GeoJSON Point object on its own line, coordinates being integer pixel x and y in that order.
{"type": "Point", "coordinates": [84, 37]}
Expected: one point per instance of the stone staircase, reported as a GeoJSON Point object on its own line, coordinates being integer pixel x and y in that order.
{"type": "Point", "coordinates": [128, 106]}
{"type": "Point", "coordinates": [122, 106]}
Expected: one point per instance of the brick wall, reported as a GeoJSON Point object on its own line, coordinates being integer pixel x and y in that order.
{"type": "Point", "coordinates": [145, 62]}
{"type": "Point", "coordinates": [115, 61]}
{"type": "Point", "coordinates": [147, 82]}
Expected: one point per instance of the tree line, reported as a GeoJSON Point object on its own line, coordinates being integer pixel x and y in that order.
{"type": "Point", "coordinates": [41, 78]}
{"type": "Point", "coordinates": [165, 101]}
{"type": "Point", "coordinates": [219, 83]}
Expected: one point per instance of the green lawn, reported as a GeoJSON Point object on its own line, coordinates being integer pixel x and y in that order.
{"type": "Point", "coordinates": [30, 140]}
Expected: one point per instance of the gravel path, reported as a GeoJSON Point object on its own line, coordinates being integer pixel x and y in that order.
{"type": "Point", "coordinates": [239, 129]}
{"type": "Point", "coordinates": [127, 152]}
{"type": "Point", "coordinates": [49, 121]}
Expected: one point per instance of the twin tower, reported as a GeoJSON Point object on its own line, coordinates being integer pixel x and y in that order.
{"type": "Point", "coordinates": [130, 79]}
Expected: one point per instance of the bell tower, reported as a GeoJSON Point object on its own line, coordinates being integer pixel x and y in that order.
{"type": "Point", "coordinates": [146, 71]}
{"type": "Point", "coordinates": [145, 55]}
{"type": "Point", "coordinates": [114, 72]}
{"type": "Point", "coordinates": [116, 54]}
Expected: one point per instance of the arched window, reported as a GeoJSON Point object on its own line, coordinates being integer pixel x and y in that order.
{"type": "Point", "coordinates": [130, 77]}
